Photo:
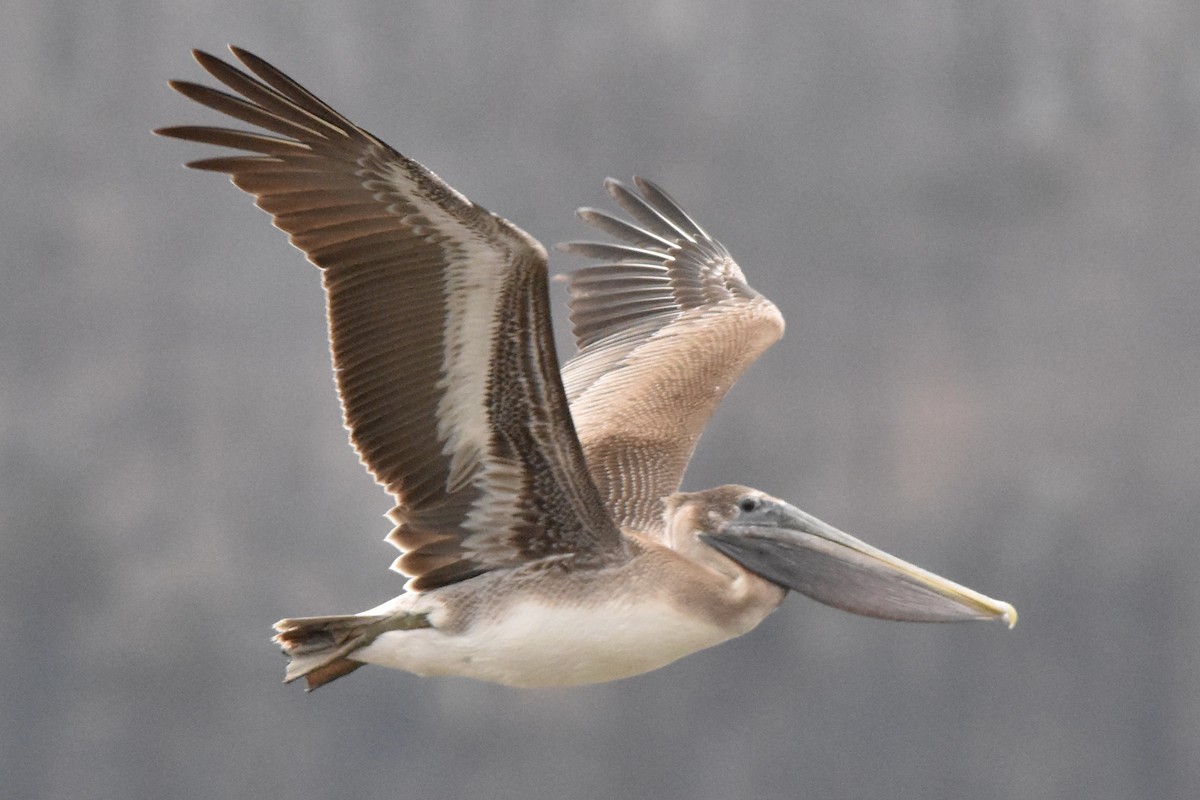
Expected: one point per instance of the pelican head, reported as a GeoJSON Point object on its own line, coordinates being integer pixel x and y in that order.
{"type": "Point", "coordinates": [794, 550]}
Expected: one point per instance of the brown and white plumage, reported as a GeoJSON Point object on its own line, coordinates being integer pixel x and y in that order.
{"type": "Point", "coordinates": [535, 555]}
{"type": "Point", "coordinates": [467, 430]}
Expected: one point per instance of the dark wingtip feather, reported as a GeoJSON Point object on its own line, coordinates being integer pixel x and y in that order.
{"type": "Point", "coordinates": [243, 55]}
{"type": "Point", "coordinates": [207, 60]}
{"type": "Point", "coordinates": [173, 131]}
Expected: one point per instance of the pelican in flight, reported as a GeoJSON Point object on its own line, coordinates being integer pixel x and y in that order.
{"type": "Point", "coordinates": [538, 511]}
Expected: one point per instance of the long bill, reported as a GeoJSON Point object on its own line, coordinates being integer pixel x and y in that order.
{"type": "Point", "coordinates": [798, 551]}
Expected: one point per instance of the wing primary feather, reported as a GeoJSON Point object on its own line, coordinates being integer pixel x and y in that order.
{"type": "Point", "coordinates": [663, 203]}
{"type": "Point", "coordinates": [229, 137]}
{"type": "Point", "coordinates": [620, 229]}
{"type": "Point", "coordinates": [290, 89]}
{"type": "Point", "coordinates": [241, 109]}
{"type": "Point", "coordinates": [307, 113]}
{"type": "Point", "coordinates": [616, 252]}
{"type": "Point", "coordinates": [643, 212]}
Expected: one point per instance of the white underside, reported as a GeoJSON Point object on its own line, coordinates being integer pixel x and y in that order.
{"type": "Point", "coordinates": [534, 644]}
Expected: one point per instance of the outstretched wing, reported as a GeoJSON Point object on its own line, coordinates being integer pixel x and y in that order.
{"type": "Point", "coordinates": [440, 332]}
{"type": "Point", "coordinates": [664, 327]}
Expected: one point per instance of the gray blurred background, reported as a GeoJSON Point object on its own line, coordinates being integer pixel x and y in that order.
{"type": "Point", "coordinates": [979, 219]}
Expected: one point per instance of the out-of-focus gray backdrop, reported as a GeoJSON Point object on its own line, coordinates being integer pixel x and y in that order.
{"type": "Point", "coordinates": [982, 222]}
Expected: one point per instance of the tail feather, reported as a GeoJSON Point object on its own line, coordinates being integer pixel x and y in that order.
{"type": "Point", "coordinates": [318, 648]}
{"type": "Point", "coordinates": [332, 671]}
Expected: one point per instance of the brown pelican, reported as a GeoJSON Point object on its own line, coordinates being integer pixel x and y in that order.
{"type": "Point", "coordinates": [537, 512]}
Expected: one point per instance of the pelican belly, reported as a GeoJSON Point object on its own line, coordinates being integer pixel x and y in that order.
{"type": "Point", "coordinates": [542, 644]}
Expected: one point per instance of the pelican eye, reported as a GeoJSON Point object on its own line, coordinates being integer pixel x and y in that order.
{"type": "Point", "coordinates": [748, 504]}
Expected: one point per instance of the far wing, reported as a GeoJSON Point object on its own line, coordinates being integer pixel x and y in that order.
{"type": "Point", "coordinates": [440, 331]}
{"type": "Point", "coordinates": [664, 327]}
